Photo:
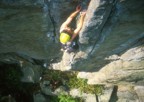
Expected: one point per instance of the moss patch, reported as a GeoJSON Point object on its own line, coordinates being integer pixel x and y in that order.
{"type": "Point", "coordinates": [69, 79]}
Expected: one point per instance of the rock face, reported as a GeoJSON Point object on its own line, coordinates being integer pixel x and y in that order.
{"type": "Point", "coordinates": [115, 51]}
{"type": "Point", "coordinates": [23, 2]}
{"type": "Point", "coordinates": [111, 41]}
{"type": "Point", "coordinates": [111, 45]}
{"type": "Point", "coordinates": [26, 29]}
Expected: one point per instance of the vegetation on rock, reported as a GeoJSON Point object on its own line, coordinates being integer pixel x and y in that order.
{"type": "Point", "coordinates": [70, 80]}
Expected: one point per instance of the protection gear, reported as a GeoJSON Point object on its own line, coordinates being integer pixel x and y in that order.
{"type": "Point", "coordinates": [70, 47]}
{"type": "Point", "coordinates": [64, 38]}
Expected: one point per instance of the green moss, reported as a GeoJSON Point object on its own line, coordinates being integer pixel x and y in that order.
{"type": "Point", "coordinates": [68, 98]}
{"type": "Point", "coordinates": [81, 84]}
{"type": "Point", "coordinates": [58, 78]}
{"type": "Point", "coordinates": [64, 98]}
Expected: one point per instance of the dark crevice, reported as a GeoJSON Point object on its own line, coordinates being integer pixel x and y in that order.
{"type": "Point", "coordinates": [97, 99]}
{"type": "Point", "coordinates": [114, 96]}
{"type": "Point", "coordinates": [11, 85]}
{"type": "Point", "coordinates": [48, 3]}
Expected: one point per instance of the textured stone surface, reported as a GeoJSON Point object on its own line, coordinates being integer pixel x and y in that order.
{"type": "Point", "coordinates": [23, 32]}
{"type": "Point", "coordinates": [31, 73]}
{"type": "Point", "coordinates": [45, 88]}
{"type": "Point", "coordinates": [23, 2]}
{"type": "Point", "coordinates": [114, 53]}
{"type": "Point", "coordinates": [40, 98]}
{"type": "Point", "coordinates": [111, 40]}
{"type": "Point", "coordinates": [97, 14]}
{"type": "Point", "coordinates": [106, 95]}
{"type": "Point", "coordinates": [103, 55]}
{"type": "Point", "coordinates": [140, 92]}
{"type": "Point", "coordinates": [85, 96]}
{"type": "Point", "coordinates": [117, 55]}
{"type": "Point", "coordinates": [119, 71]}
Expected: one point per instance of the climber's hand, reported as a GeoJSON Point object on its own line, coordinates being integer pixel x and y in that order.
{"type": "Point", "coordinates": [78, 8]}
{"type": "Point", "coordinates": [83, 13]}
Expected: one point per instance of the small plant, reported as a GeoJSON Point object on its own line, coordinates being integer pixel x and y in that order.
{"type": "Point", "coordinates": [68, 98]}
{"type": "Point", "coordinates": [58, 78]}
{"type": "Point", "coordinates": [54, 77]}
{"type": "Point", "coordinates": [54, 98]}
{"type": "Point", "coordinates": [81, 84]}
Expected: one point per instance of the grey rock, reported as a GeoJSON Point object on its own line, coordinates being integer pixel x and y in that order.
{"type": "Point", "coordinates": [28, 75]}
{"type": "Point", "coordinates": [23, 2]}
{"type": "Point", "coordinates": [114, 55]}
{"type": "Point", "coordinates": [104, 97]}
{"type": "Point", "coordinates": [111, 40]}
{"type": "Point", "coordinates": [29, 35]}
{"type": "Point", "coordinates": [31, 73]}
{"type": "Point", "coordinates": [85, 96]}
{"type": "Point", "coordinates": [39, 98]}
{"type": "Point", "coordinates": [61, 90]}
{"type": "Point", "coordinates": [45, 88]}
{"type": "Point", "coordinates": [140, 92]}
{"type": "Point", "coordinates": [8, 98]}
{"type": "Point", "coordinates": [107, 94]}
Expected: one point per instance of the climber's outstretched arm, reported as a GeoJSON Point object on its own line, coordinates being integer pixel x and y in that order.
{"type": "Point", "coordinates": [79, 25]}
{"type": "Point", "coordinates": [70, 18]}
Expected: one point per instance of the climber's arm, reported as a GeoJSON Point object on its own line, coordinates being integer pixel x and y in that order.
{"type": "Point", "coordinates": [70, 18]}
{"type": "Point", "coordinates": [79, 26]}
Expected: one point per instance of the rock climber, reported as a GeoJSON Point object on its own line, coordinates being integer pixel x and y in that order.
{"type": "Point", "coordinates": [67, 34]}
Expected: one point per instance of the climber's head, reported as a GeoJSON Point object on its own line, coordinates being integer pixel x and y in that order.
{"type": "Point", "coordinates": [64, 37]}
{"type": "Point", "coordinates": [68, 30]}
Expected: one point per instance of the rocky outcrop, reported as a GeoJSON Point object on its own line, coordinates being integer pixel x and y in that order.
{"type": "Point", "coordinates": [119, 51]}
{"type": "Point", "coordinates": [111, 41]}
{"type": "Point", "coordinates": [111, 49]}
{"type": "Point", "coordinates": [121, 70]}
{"type": "Point", "coordinates": [27, 29]}
{"type": "Point", "coordinates": [111, 46]}
{"type": "Point", "coordinates": [31, 73]}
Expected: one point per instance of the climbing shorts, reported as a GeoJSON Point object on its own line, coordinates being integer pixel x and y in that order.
{"type": "Point", "coordinates": [64, 38]}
